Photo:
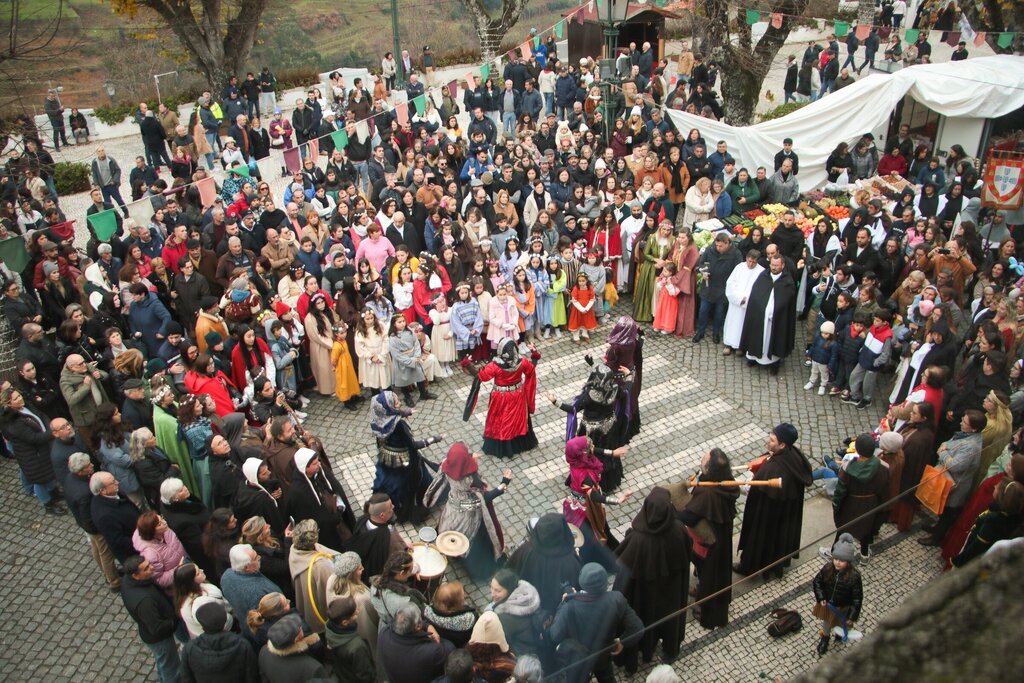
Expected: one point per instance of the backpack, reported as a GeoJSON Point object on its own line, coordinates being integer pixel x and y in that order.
{"type": "Point", "coordinates": [784, 622]}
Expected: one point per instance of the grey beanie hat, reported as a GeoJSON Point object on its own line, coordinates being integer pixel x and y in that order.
{"type": "Point", "coordinates": [593, 578]}
{"type": "Point", "coordinates": [845, 548]}
{"type": "Point", "coordinates": [285, 631]}
{"type": "Point", "coordinates": [49, 267]}
{"type": "Point", "coordinates": [346, 563]}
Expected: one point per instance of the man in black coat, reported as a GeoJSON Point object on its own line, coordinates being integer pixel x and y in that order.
{"type": "Point", "coordinates": [789, 86]}
{"type": "Point", "coordinates": [410, 650]}
{"type": "Point", "coordinates": [113, 514]}
{"type": "Point", "coordinates": [598, 619]}
{"type": "Point", "coordinates": [699, 166]}
{"type": "Point", "coordinates": [79, 499]}
{"type": "Point", "coordinates": [217, 656]}
{"type": "Point", "coordinates": [154, 615]}
{"type": "Point", "coordinates": [773, 294]}
{"type": "Point", "coordinates": [65, 443]}
{"type": "Point", "coordinates": [38, 349]}
{"type": "Point", "coordinates": [374, 538]}
{"type": "Point", "coordinates": [719, 264]}
{"type": "Point", "coordinates": [153, 136]}
{"type": "Point", "coordinates": [402, 232]}
{"type": "Point", "coordinates": [862, 256]}
{"type": "Point", "coordinates": [304, 125]}
{"type": "Point", "coordinates": [186, 516]}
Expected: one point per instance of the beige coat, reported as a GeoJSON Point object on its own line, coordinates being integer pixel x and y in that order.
{"type": "Point", "coordinates": [169, 120]}
{"type": "Point", "coordinates": [320, 346]}
{"type": "Point", "coordinates": [373, 375]}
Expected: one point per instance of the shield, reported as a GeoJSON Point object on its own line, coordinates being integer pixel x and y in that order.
{"type": "Point", "coordinates": [474, 394]}
{"type": "Point", "coordinates": [1005, 181]}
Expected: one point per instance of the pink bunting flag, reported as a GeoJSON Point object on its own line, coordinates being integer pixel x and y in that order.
{"type": "Point", "coordinates": [511, 55]}
{"type": "Point", "coordinates": [524, 49]}
{"type": "Point", "coordinates": [292, 160]}
{"type": "Point", "coordinates": [776, 20]}
{"type": "Point", "coordinates": [979, 39]}
{"type": "Point", "coordinates": [207, 191]}
{"type": "Point", "coordinates": [470, 82]}
{"type": "Point", "coordinates": [402, 113]}
{"type": "Point", "coordinates": [453, 88]}
{"type": "Point", "coordinates": [863, 31]}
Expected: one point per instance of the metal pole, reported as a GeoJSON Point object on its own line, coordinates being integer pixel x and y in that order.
{"type": "Point", "coordinates": [395, 42]}
{"type": "Point", "coordinates": [156, 79]}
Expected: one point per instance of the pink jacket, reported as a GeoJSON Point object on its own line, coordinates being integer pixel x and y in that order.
{"type": "Point", "coordinates": [499, 316]}
{"type": "Point", "coordinates": [376, 252]}
{"type": "Point", "coordinates": [165, 557]}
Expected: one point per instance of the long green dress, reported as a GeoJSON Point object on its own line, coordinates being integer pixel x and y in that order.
{"type": "Point", "coordinates": [165, 427]}
{"type": "Point", "coordinates": [557, 290]}
{"type": "Point", "coordinates": [643, 293]}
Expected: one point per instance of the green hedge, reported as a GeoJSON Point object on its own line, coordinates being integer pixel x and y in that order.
{"type": "Point", "coordinates": [782, 110]}
{"type": "Point", "coordinates": [71, 178]}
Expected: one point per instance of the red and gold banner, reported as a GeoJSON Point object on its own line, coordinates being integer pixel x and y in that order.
{"type": "Point", "coordinates": [1004, 181]}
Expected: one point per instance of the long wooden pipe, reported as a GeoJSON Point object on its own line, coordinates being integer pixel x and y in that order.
{"type": "Point", "coordinates": [771, 483]}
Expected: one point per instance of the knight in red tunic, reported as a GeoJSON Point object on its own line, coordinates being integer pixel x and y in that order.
{"type": "Point", "coordinates": [509, 427]}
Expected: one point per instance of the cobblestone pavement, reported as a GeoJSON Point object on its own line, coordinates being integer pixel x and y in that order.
{"type": "Point", "coordinates": [62, 624]}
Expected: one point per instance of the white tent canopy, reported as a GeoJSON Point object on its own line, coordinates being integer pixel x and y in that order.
{"type": "Point", "coordinates": [986, 87]}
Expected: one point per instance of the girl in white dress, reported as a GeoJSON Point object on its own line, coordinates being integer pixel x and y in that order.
{"type": "Point", "coordinates": [442, 339]}
{"type": "Point", "coordinates": [372, 350]}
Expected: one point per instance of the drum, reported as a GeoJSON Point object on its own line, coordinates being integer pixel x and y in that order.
{"type": "Point", "coordinates": [432, 563]}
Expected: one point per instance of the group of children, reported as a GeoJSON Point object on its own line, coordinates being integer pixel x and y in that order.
{"type": "Point", "coordinates": [849, 354]}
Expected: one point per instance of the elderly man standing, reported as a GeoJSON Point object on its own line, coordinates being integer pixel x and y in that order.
{"type": "Point", "coordinates": [113, 514]}
{"type": "Point", "coordinates": [773, 518]}
{"type": "Point", "coordinates": [66, 442]}
{"type": "Point", "coordinates": [243, 585]}
{"type": "Point", "coordinates": [411, 651]}
{"type": "Point", "coordinates": [81, 384]}
{"type": "Point", "coordinates": [79, 500]}
{"type": "Point", "coordinates": [718, 264]}
{"type": "Point", "coordinates": [154, 615]}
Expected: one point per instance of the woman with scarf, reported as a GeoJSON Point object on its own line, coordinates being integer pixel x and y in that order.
{"type": "Point", "coordinates": [679, 177]}
{"type": "Point", "coordinates": [315, 494]}
{"type": "Point", "coordinates": [401, 471]}
{"type": "Point", "coordinates": [195, 429]}
{"type": "Point", "coordinates": [470, 508]}
{"type": "Point", "coordinates": [654, 558]}
{"type": "Point", "coordinates": [626, 350]}
{"type": "Point", "coordinates": [918, 434]}
{"type": "Point", "coordinates": [584, 504]}
{"type": "Point", "coordinates": [508, 429]}
{"type": "Point", "coordinates": [715, 505]}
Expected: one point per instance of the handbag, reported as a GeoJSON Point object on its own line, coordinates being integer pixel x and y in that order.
{"type": "Point", "coordinates": [784, 622]}
{"type": "Point", "coordinates": [934, 489]}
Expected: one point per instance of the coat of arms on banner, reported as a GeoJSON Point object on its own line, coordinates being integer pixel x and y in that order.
{"type": "Point", "coordinates": [1004, 181]}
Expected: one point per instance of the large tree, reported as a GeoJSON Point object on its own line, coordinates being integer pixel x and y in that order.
{"type": "Point", "coordinates": [745, 64]}
{"type": "Point", "coordinates": [491, 30]}
{"type": "Point", "coordinates": [217, 34]}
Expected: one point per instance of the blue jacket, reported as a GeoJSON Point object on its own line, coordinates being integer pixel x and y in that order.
{"type": "Point", "coordinates": [820, 353]}
{"type": "Point", "coordinates": [148, 317]}
{"type": "Point", "coordinates": [565, 90]}
{"type": "Point", "coordinates": [936, 176]}
{"type": "Point", "coordinates": [531, 103]}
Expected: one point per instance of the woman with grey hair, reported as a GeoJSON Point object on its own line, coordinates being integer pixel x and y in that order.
{"type": "Point", "coordinates": [151, 464]}
{"type": "Point", "coordinates": [528, 670]}
{"type": "Point", "coordinates": [662, 673]}
{"type": "Point", "coordinates": [312, 566]}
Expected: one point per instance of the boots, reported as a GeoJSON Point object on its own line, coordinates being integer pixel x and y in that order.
{"type": "Point", "coordinates": [424, 394]}
{"type": "Point", "coordinates": [823, 644]}
{"type": "Point", "coordinates": [410, 400]}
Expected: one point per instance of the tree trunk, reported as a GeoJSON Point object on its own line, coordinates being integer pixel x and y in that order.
{"type": "Point", "coordinates": [491, 31]}
{"type": "Point", "coordinates": [865, 12]}
{"type": "Point", "coordinates": [217, 53]}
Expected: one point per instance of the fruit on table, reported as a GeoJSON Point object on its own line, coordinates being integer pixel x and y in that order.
{"type": "Point", "coordinates": [838, 212]}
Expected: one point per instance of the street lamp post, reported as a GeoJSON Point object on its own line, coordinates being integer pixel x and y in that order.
{"type": "Point", "coordinates": [615, 15]}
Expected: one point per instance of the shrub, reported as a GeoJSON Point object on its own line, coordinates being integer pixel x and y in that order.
{"type": "Point", "coordinates": [115, 114]}
{"type": "Point", "coordinates": [782, 110]}
{"type": "Point", "coordinates": [71, 178]}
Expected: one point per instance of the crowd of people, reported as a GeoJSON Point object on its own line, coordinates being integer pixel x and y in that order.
{"type": "Point", "coordinates": [163, 372]}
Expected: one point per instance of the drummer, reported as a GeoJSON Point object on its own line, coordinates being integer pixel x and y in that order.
{"type": "Point", "coordinates": [469, 498]}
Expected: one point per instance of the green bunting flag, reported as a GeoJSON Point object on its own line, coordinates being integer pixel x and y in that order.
{"type": "Point", "coordinates": [911, 35]}
{"type": "Point", "coordinates": [13, 254]}
{"type": "Point", "coordinates": [485, 72]}
{"type": "Point", "coordinates": [340, 139]}
{"type": "Point", "coordinates": [1005, 40]}
{"type": "Point", "coordinates": [560, 29]}
{"type": "Point", "coordinates": [104, 224]}
{"type": "Point", "coordinates": [536, 41]}
{"type": "Point", "coordinates": [241, 170]}
{"type": "Point", "coordinates": [420, 102]}
{"type": "Point", "coordinates": [753, 16]}
{"type": "Point", "coordinates": [842, 28]}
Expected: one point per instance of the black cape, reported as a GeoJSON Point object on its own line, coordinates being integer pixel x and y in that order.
{"type": "Point", "coordinates": [772, 518]}
{"type": "Point", "coordinates": [654, 575]}
{"type": "Point", "coordinates": [548, 560]}
{"type": "Point", "coordinates": [783, 330]}
{"type": "Point", "coordinates": [372, 546]}
{"type": "Point", "coordinates": [716, 505]}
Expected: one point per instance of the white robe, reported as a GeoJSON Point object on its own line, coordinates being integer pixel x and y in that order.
{"type": "Point", "coordinates": [766, 357]}
{"type": "Point", "coordinates": [737, 291]}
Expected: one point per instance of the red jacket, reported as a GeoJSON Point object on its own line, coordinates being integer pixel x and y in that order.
{"type": "Point", "coordinates": [215, 387]}
{"type": "Point", "coordinates": [889, 164]}
{"type": "Point", "coordinates": [171, 253]}
{"type": "Point", "coordinates": [238, 367]}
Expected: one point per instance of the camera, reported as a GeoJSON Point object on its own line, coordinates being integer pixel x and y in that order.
{"type": "Point", "coordinates": [944, 252]}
